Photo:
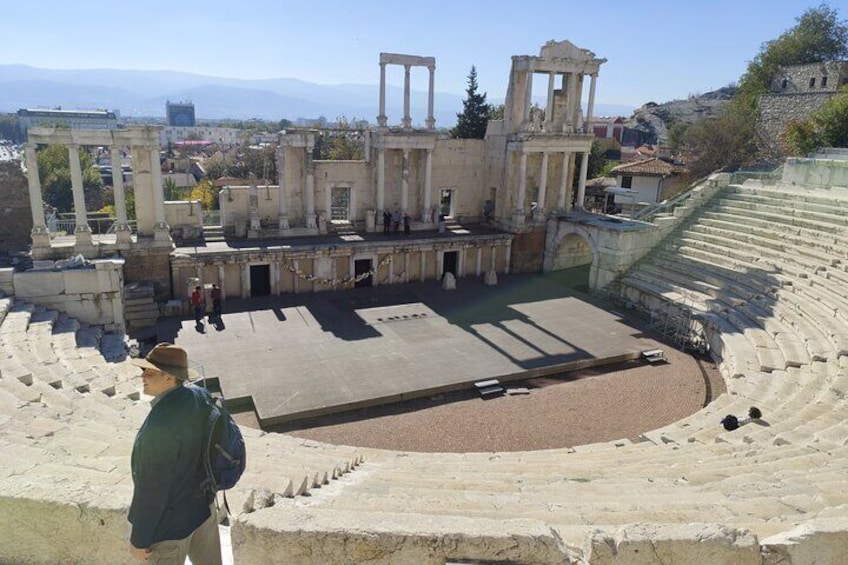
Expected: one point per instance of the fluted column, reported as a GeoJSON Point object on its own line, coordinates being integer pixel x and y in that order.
{"type": "Point", "coordinates": [573, 100]}
{"type": "Point", "coordinates": [407, 119]}
{"type": "Point", "coordinates": [528, 96]}
{"type": "Point", "coordinates": [158, 194]}
{"type": "Point", "coordinates": [539, 213]}
{"type": "Point", "coordinates": [310, 188]}
{"type": "Point", "coordinates": [404, 181]}
{"type": "Point", "coordinates": [36, 204]}
{"type": "Point", "coordinates": [587, 127]}
{"type": "Point", "coordinates": [82, 231]}
{"type": "Point", "coordinates": [431, 120]}
{"type": "Point", "coordinates": [381, 118]}
{"type": "Point", "coordinates": [518, 213]}
{"type": "Point", "coordinates": [563, 182]}
{"type": "Point", "coordinates": [221, 282]}
{"type": "Point", "coordinates": [549, 108]}
{"type": "Point", "coordinates": [123, 232]}
{"type": "Point", "coordinates": [581, 186]}
{"type": "Point", "coordinates": [381, 179]}
{"type": "Point", "coordinates": [282, 210]}
{"type": "Point", "coordinates": [428, 180]}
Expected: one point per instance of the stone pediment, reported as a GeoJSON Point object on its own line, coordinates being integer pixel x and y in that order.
{"type": "Point", "coordinates": [565, 50]}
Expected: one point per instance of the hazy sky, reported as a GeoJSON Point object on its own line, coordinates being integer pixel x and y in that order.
{"type": "Point", "coordinates": [656, 50]}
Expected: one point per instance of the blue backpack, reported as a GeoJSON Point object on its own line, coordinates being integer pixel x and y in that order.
{"type": "Point", "coordinates": [225, 456]}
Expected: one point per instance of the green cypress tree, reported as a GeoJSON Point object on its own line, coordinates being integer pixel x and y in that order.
{"type": "Point", "coordinates": [472, 122]}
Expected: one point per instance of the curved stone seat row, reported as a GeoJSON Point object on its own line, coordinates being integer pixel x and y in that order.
{"type": "Point", "coordinates": [68, 418]}
{"type": "Point", "coordinates": [776, 485]}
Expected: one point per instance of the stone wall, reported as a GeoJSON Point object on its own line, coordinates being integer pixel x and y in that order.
{"type": "Point", "coordinates": [15, 215]}
{"type": "Point", "coordinates": [527, 252]}
{"type": "Point", "coordinates": [817, 172]}
{"type": "Point", "coordinates": [808, 78]}
{"type": "Point", "coordinates": [185, 217]}
{"type": "Point", "coordinates": [149, 264]}
{"type": "Point", "coordinates": [777, 110]}
{"type": "Point", "coordinates": [92, 294]}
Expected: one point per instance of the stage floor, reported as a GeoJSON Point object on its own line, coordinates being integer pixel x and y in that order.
{"type": "Point", "coordinates": [304, 355]}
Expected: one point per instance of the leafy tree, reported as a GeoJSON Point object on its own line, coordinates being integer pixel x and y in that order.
{"type": "Point", "coordinates": [284, 124]}
{"type": "Point", "coordinates": [730, 140]}
{"type": "Point", "coordinates": [818, 36]}
{"type": "Point", "coordinates": [259, 162]}
{"type": "Point", "coordinates": [725, 142]}
{"type": "Point", "coordinates": [597, 161]}
{"type": "Point", "coordinates": [340, 144]}
{"type": "Point", "coordinates": [172, 191]}
{"type": "Point", "coordinates": [207, 193]}
{"type": "Point", "coordinates": [54, 171]}
{"type": "Point", "coordinates": [826, 127]}
{"type": "Point", "coordinates": [472, 122]}
{"type": "Point", "coordinates": [496, 111]}
{"type": "Point", "coordinates": [677, 135]}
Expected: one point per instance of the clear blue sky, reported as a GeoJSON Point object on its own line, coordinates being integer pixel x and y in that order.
{"type": "Point", "coordinates": [656, 50]}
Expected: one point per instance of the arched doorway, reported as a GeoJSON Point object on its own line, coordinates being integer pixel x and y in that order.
{"type": "Point", "coordinates": [572, 263]}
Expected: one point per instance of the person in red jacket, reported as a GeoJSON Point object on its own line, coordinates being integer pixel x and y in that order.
{"type": "Point", "coordinates": [197, 303]}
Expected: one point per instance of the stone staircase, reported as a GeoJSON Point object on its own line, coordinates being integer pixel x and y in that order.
{"type": "Point", "coordinates": [70, 406]}
{"type": "Point", "coordinates": [764, 270]}
{"type": "Point", "coordinates": [213, 234]}
{"type": "Point", "coordinates": [140, 309]}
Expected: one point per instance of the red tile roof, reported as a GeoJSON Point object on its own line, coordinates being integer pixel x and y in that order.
{"type": "Point", "coordinates": [649, 167]}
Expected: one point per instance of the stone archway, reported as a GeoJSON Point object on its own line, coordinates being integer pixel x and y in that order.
{"type": "Point", "coordinates": [573, 253]}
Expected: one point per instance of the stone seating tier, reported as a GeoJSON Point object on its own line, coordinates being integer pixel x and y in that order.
{"type": "Point", "coordinates": [777, 489]}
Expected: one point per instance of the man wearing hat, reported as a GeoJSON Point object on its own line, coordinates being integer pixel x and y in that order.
{"type": "Point", "coordinates": [171, 512]}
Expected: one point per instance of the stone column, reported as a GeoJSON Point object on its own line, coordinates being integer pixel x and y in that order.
{"type": "Point", "coordinates": [221, 282]}
{"type": "Point", "coordinates": [528, 96]}
{"type": "Point", "coordinates": [295, 278]}
{"type": "Point", "coordinates": [381, 181]}
{"type": "Point", "coordinates": [123, 232]}
{"type": "Point", "coordinates": [391, 269]}
{"type": "Point", "coordinates": [406, 266]}
{"type": "Point", "coordinates": [573, 100]}
{"type": "Point", "coordinates": [587, 126]}
{"type": "Point", "coordinates": [407, 120]}
{"type": "Point", "coordinates": [282, 212]}
{"type": "Point", "coordinates": [440, 261]}
{"type": "Point", "coordinates": [479, 265]}
{"type": "Point", "coordinates": [245, 280]}
{"type": "Point", "coordinates": [581, 186]}
{"type": "Point", "coordinates": [518, 213]}
{"type": "Point", "coordinates": [549, 108]}
{"type": "Point", "coordinates": [82, 231]}
{"type": "Point", "coordinates": [310, 188]}
{"type": "Point", "coordinates": [40, 234]}
{"type": "Point", "coordinates": [404, 182]}
{"type": "Point", "coordinates": [431, 120]}
{"type": "Point", "coordinates": [422, 256]}
{"type": "Point", "coordinates": [161, 230]}
{"type": "Point", "coordinates": [460, 263]}
{"type": "Point", "coordinates": [539, 213]}
{"type": "Point", "coordinates": [563, 183]}
{"type": "Point", "coordinates": [314, 275]}
{"type": "Point", "coordinates": [428, 181]}
{"type": "Point", "coordinates": [493, 258]}
{"type": "Point", "coordinates": [508, 256]}
{"type": "Point", "coordinates": [381, 118]}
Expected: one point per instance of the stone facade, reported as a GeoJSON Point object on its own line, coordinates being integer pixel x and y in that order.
{"type": "Point", "coordinates": [91, 294]}
{"type": "Point", "coordinates": [15, 218]}
{"type": "Point", "coordinates": [796, 92]}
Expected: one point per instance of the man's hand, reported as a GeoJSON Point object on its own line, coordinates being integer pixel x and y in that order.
{"type": "Point", "coordinates": [141, 554]}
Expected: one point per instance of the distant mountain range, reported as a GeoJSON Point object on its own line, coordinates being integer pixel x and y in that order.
{"type": "Point", "coordinates": [144, 93]}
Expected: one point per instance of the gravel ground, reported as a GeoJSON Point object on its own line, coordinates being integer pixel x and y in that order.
{"type": "Point", "coordinates": [593, 405]}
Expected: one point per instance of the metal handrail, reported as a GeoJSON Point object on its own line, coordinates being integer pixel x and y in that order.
{"type": "Point", "coordinates": [647, 213]}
